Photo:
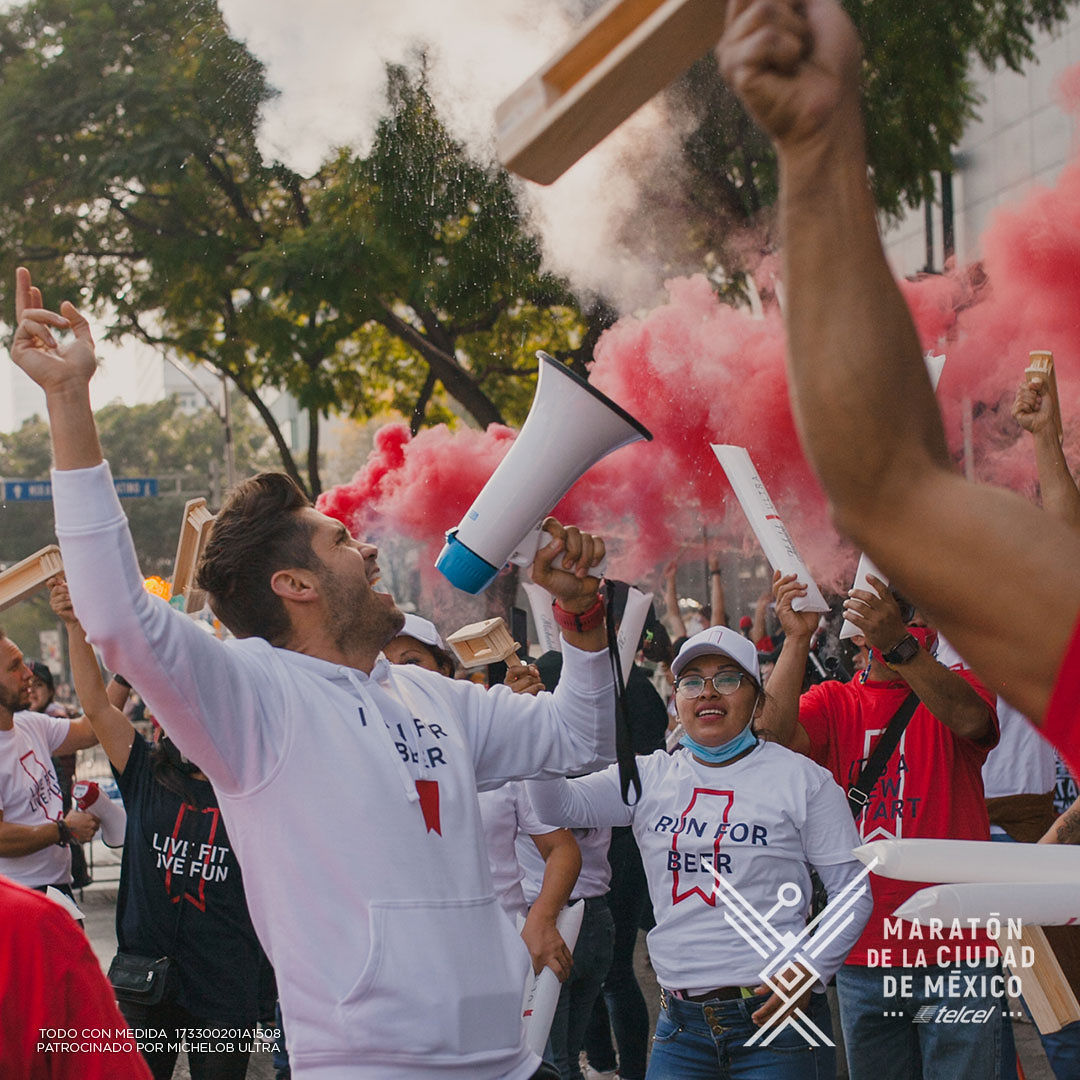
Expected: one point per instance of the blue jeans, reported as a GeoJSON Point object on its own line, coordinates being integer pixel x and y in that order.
{"type": "Point", "coordinates": [694, 1044]}
{"type": "Point", "coordinates": [883, 1047]}
{"type": "Point", "coordinates": [592, 958]}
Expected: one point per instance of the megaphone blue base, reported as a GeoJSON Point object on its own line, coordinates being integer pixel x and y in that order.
{"type": "Point", "coordinates": [464, 569]}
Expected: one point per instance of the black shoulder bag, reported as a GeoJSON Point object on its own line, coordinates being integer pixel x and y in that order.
{"type": "Point", "coordinates": [859, 792]}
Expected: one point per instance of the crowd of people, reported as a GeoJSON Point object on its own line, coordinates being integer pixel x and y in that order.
{"type": "Point", "coordinates": [330, 817]}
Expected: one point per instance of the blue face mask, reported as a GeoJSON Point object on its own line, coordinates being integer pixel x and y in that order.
{"type": "Point", "coordinates": [717, 755]}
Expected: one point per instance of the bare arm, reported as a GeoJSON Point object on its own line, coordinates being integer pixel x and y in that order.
{"type": "Point", "coordinates": [1033, 410]}
{"type": "Point", "coordinates": [993, 572]}
{"type": "Point", "coordinates": [18, 840]}
{"type": "Point", "coordinates": [949, 697]}
{"type": "Point", "coordinates": [717, 600]}
{"type": "Point", "coordinates": [562, 864]}
{"type": "Point", "coordinates": [757, 628]}
{"type": "Point", "coordinates": [1066, 830]}
{"type": "Point", "coordinates": [109, 724]}
{"type": "Point", "coordinates": [117, 693]}
{"type": "Point", "coordinates": [673, 619]}
{"type": "Point", "coordinates": [80, 736]}
{"type": "Point", "coordinates": [780, 716]}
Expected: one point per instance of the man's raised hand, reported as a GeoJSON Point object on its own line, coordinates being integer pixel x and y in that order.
{"type": "Point", "coordinates": [36, 350]}
{"type": "Point", "coordinates": [876, 614]}
{"type": "Point", "coordinates": [794, 64]}
{"type": "Point", "coordinates": [570, 582]}
{"type": "Point", "coordinates": [1033, 407]}
{"type": "Point", "coordinates": [60, 599]}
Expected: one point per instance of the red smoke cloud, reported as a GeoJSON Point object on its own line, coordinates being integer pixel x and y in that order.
{"type": "Point", "coordinates": [696, 371]}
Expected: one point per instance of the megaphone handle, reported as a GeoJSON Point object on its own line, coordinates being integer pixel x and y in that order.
{"type": "Point", "coordinates": [525, 552]}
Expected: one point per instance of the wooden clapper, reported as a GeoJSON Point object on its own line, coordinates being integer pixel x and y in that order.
{"type": "Point", "coordinates": [19, 581]}
{"type": "Point", "coordinates": [482, 643]}
{"type": "Point", "coordinates": [1047, 992]}
{"type": "Point", "coordinates": [623, 55]}
{"type": "Point", "coordinates": [194, 533]}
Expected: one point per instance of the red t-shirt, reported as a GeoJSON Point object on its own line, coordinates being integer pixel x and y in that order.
{"type": "Point", "coordinates": [59, 1020]}
{"type": "Point", "coordinates": [1061, 725]}
{"type": "Point", "coordinates": [931, 788]}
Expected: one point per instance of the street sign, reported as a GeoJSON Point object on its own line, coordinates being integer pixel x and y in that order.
{"type": "Point", "coordinates": [127, 487]}
{"type": "Point", "coordinates": [135, 487]}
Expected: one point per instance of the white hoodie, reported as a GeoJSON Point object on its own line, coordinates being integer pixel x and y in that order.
{"type": "Point", "coordinates": [394, 960]}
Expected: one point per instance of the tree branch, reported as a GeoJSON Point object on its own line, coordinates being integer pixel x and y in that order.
{"type": "Point", "coordinates": [231, 189]}
{"type": "Point", "coordinates": [416, 420]}
{"type": "Point", "coordinates": [484, 322]}
{"type": "Point", "coordinates": [459, 384]}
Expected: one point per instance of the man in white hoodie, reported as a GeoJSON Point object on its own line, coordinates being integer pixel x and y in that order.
{"type": "Point", "coordinates": [349, 786]}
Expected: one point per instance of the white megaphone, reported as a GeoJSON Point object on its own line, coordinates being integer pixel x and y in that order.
{"type": "Point", "coordinates": [111, 815]}
{"type": "Point", "coordinates": [570, 427]}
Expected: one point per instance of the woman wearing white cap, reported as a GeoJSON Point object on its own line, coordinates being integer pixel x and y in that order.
{"type": "Point", "coordinates": [729, 826]}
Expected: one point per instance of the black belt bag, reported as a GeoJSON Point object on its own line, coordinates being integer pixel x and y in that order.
{"type": "Point", "coordinates": [140, 980]}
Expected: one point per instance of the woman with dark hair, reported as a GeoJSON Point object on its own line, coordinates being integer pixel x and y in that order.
{"type": "Point", "coordinates": [728, 825]}
{"type": "Point", "coordinates": [181, 895]}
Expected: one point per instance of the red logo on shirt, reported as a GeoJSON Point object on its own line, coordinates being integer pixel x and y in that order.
{"type": "Point", "coordinates": [197, 859]}
{"type": "Point", "coordinates": [692, 826]}
{"type": "Point", "coordinates": [428, 790]}
{"type": "Point", "coordinates": [43, 783]}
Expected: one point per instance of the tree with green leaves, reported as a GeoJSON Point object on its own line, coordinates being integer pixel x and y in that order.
{"type": "Point", "coordinates": [917, 99]}
{"type": "Point", "coordinates": [401, 279]}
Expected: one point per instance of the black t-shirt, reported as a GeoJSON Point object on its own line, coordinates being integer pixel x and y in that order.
{"type": "Point", "coordinates": [182, 895]}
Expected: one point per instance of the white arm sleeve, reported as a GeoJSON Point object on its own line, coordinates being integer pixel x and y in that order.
{"type": "Point", "coordinates": [852, 905]}
{"type": "Point", "coordinates": [829, 836]}
{"type": "Point", "coordinates": [587, 802]}
{"type": "Point", "coordinates": [206, 695]}
{"type": "Point", "coordinates": [514, 736]}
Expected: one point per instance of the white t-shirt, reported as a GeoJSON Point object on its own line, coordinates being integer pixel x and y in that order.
{"type": "Point", "coordinates": [762, 820]}
{"type": "Point", "coordinates": [1022, 763]}
{"type": "Point", "coordinates": [30, 795]}
{"type": "Point", "coordinates": [505, 813]}
{"type": "Point", "coordinates": [595, 876]}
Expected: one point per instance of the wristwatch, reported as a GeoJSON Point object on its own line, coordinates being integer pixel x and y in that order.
{"type": "Point", "coordinates": [901, 653]}
{"type": "Point", "coordinates": [63, 832]}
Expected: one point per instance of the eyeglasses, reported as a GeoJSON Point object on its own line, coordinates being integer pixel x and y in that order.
{"type": "Point", "coordinates": [724, 682]}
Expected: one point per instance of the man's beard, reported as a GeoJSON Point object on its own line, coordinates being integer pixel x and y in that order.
{"type": "Point", "coordinates": [13, 701]}
{"type": "Point", "coordinates": [358, 618]}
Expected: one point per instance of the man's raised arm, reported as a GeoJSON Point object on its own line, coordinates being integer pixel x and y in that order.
{"type": "Point", "coordinates": [994, 573]}
{"type": "Point", "coordinates": [184, 673]}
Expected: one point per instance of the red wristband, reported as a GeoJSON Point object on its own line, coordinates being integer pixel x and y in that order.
{"type": "Point", "coordinates": [589, 619]}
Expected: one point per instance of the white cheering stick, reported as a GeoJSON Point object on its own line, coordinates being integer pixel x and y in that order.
{"type": "Point", "coordinates": [771, 532]}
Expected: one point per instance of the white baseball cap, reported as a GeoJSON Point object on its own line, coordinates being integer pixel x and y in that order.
{"type": "Point", "coordinates": [721, 641]}
{"type": "Point", "coordinates": [421, 630]}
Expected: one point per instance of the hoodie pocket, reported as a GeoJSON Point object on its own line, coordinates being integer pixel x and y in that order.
{"type": "Point", "coordinates": [444, 979]}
